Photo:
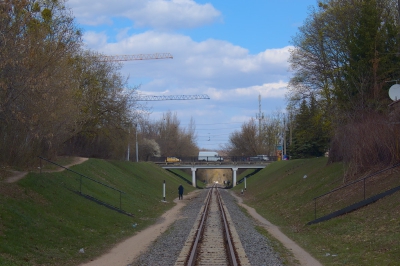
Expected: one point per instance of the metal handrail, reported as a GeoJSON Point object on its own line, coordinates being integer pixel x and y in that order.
{"type": "Point", "coordinates": [358, 180]}
{"type": "Point", "coordinates": [91, 179]}
{"type": "Point", "coordinates": [352, 183]}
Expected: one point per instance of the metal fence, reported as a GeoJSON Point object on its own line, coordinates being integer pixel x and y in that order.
{"type": "Point", "coordinates": [360, 184]}
{"type": "Point", "coordinates": [79, 191]}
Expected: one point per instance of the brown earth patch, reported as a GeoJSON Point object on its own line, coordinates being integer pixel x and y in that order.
{"type": "Point", "coordinates": [14, 176]}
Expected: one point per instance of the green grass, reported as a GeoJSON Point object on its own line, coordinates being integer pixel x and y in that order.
{"type": "Point", "coordinates": [368, 236]}
{"type": "Point", "coordinates": [246, 173]}
{"type": "Point", "coordinates": [43, 223]}
{"type": "Point", "coordinates": [186, 178]}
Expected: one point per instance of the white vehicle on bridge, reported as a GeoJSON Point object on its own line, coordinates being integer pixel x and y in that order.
{"type": "Point", "coordinates": [210, 156]}
{"type": "Point", "coordinates": [259, 158]}
{"type": "Point", "coordinates": [263, 157]}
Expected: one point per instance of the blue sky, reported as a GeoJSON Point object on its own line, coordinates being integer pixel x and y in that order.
{"type": "Point", "coordinates": [233, 51]}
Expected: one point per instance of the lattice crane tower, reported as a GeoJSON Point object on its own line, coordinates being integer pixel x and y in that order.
{"type": "Point", "coordinates": [119, 58]}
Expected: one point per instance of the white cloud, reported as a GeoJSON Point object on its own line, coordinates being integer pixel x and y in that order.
{"type": "Point", "coordinates": [273, 90]}
{"type": "Point", "coordinates": [156, 14]}
{"type": "Point", "coordinates": [202, 65]}
{"type": "Point", "coordinates": [240, 118]}
{"type": "Point", "coordinates": [229, 74]}
{"type": "Point", "coordinates": [174, 14]}
{"type": "Point", "coordinates": [214, 93]}
{"type": "Point", "coordinates": [216, 68]}
{"type": "Point", "coordinates": [95, 40]}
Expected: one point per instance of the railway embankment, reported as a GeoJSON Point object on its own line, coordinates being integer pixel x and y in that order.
{"type": "Point", "coordinates": [283, 193]}
{"type": "Point", "coordinates": [42, 222]}
{"type": "Point", "coordinates": [45, 221]}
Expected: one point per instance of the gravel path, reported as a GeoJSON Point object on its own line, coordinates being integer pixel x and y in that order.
{"type": "Point", "coordinates": [165, 250]}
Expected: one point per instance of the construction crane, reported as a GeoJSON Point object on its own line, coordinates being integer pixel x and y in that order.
{"type": "Point", "coordinates": [118, 58]}
{"type": "Point", "coordinates": [171, 97]}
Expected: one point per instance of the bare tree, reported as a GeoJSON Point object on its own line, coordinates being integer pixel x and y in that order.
{"type": "Point", "coordinates": [37, 39]}
{"type": "Point", "coordinates": [172, 139]}
{"type": "Point", "coordinates": [53, 94]}
{"type": "Point", "coordinates": [244, 142]}
{"type": "Point", "coordinates": [105, 115]}
{"type": "Point", "coordinates": [272, 133]}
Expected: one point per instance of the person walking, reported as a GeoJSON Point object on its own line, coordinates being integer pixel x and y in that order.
{"type": "Point", "coordinates": [180, 190]}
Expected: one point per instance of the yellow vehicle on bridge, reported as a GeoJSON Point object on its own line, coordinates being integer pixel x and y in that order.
{"type": "Point", "coordinates": [172, 160]}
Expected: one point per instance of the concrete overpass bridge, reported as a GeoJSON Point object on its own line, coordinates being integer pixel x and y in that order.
{"type": "Point", "coordinates": [217, 165]}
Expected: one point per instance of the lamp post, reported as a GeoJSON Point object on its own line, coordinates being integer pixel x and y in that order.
{"type": "Point", "coordinates": [129, 134]}
{"type": "Point", "coordinates": [137, 150]}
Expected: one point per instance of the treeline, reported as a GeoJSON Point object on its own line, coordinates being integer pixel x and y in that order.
{"type": "Point", "coordinates": [344, 60]}
{"type": "Point", "coordinates": [57, 98]}
{"type": "Point", "coordinates": [53, 93]}
{"type": "Point", "coordinates": [254, 138]}
{"type": "Point", "coordinates": [165, 137]}
{"type": "Point", "coordinates": [346, 57]}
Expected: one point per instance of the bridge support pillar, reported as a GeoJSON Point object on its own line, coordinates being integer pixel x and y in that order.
{"type": "Point", "coordinates": [194, 176]}
{"type": "Point", "coordinates": [234, 169]}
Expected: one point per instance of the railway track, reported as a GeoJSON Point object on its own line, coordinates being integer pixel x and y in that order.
{"type": "Point", "coordinates": [213, 239]}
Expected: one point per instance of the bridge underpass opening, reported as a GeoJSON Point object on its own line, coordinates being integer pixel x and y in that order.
{"type": "Point", "coordinates": [215, 173]}
{"type": "Point", "coordinates": [210, 176]}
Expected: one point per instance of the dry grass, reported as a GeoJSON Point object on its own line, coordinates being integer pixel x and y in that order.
{"type": "Point", "coordinates": [367, 143]}
{"type": "Point", "coordinates": [368, 236]}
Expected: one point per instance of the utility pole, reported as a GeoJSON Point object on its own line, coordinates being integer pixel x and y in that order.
{"type": "Point", "coordinates": [284, 136]}
{"type": "Point", "coordinates": [129, 135]}
{"type": "Point", "coordinates": [156, 56]}
{"type": "Point", "coordinates": [260, 116]}
{"type": "Point", "coordinates": [137, 151]}
{"type": "Point", "coordinates": [120, 58]}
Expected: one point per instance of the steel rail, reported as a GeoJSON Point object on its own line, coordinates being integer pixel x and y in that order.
{"type": "Point", "coordinates": [230, 248]}
{"type": "Point", "coordinates": [231, 254]}
{"type": "Point", "coordinates": [193, 253]}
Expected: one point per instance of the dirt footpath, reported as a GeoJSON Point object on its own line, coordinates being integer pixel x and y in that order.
{"type": "Point", "coordinates": [19, 175]}
{"type": "Point", "coordinates": [127, 251]}
{"type": "Point", "coordinates": [300, 254]}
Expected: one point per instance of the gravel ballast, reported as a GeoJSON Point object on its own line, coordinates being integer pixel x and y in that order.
{"type": "Point", "coordinates": [166, 249]}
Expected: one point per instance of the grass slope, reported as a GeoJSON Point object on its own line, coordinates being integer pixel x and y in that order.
{"type": "Point", "coordinates": [283, 193]}
{"type": "Point", "coordinates": [186, 178]}
{"type": "Point", "coordinates": [43, 223]}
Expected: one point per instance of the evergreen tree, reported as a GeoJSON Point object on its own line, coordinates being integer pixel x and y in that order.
{"type": "Point", "coordinates": [309, 138]}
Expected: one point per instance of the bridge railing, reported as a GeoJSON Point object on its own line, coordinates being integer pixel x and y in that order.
{"type": "Point", "coordinates": [219, 159]}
